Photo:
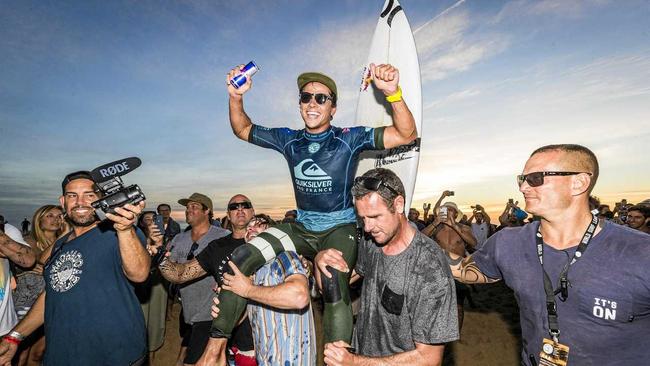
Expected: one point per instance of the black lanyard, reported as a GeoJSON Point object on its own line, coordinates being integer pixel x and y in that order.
{"type": "Point", "coordinates": [563, 290]}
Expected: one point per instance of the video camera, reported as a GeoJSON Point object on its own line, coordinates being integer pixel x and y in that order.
{"type": "Point", "coordinates": [115, 194]}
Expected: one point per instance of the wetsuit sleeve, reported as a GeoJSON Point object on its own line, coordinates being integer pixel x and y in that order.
{"type": "Point", "coordinates": [486, 257]}
{"type": "Point", "coordinates": [271, 138]}
{"type": "Point", "coordinates": [362, 255]}
{"type": "Point", "coordinates": [379, 138]}
{"type": "Point", "coordinates": [364, 138]}
{"type": "Point", "coordinates": [207, 259]}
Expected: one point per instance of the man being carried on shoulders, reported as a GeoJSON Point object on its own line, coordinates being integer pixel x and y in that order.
{"type": "Point", "coordinates": [323, 160]}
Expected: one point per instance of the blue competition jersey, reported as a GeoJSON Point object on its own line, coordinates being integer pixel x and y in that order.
{"type": "Point", "coordinates": [322, 168]}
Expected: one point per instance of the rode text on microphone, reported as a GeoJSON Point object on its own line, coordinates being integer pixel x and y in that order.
{"type": "Point", "coordinates": [115, 194]}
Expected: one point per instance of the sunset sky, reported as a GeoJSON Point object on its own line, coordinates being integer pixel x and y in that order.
{"type": "Point", "coordinates": [83, 83]}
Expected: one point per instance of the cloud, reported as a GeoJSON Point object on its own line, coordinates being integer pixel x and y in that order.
{"type": "Point", "coordinates": [453, 98]}
{"type": "Point", "coordinates": [455, 42]}
{"type": "Point", "coordinates": [555, 8]}
{"type": "Point", "coordinates": [608, 82]}
{"type": "Point", "coordinates": [441, 31]}
{"type": "Point", "coordinates": [460, 57]}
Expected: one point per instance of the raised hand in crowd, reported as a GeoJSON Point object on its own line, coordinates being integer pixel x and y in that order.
{"type": "Point", "coordinates": [155, 238]}
{"type": "Point", "coordinates": [445, 194]}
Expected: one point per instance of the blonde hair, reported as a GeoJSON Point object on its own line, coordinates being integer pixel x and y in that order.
{"type": "Point", "coordinates": [37, 234]}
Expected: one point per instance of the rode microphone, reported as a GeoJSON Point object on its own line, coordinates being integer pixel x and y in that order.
{"type": "Point", "coordinates": [115, 194]}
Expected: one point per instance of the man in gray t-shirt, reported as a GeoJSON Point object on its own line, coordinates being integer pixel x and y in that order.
{"type": "Point", "coordinates": [196, 287]}
{"type": "Point", "coordinates": [408, 303]}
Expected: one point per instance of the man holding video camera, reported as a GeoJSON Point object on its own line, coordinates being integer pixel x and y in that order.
{"type": "Point", "coordinates": [91, 314]}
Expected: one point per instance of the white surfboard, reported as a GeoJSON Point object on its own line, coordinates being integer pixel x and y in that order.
{"type": "Point", "coordinates": [392, 43]}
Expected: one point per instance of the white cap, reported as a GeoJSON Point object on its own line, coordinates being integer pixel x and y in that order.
{"type": "Point", "coordinates": [14, 234]}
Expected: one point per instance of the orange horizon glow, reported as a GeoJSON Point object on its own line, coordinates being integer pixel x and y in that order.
{"type": "Point", "coordinates": [493, 208]}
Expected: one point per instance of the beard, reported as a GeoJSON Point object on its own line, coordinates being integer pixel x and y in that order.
{"type": "Point", "coordinates": [82, 220]}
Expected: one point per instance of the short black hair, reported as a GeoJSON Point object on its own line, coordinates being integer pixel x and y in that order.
{"type": "Point", "coordinates": [645, 211]}
{"type": "Point", "coordinates": [389, 178]}
{"type": "Point", "coordinates": [163, 205]}
{"type": "Point", "coordinates": [82, 174]}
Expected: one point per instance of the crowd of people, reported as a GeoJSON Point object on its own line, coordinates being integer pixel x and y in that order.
{"type": "Point", "coordinates": [92, 292]}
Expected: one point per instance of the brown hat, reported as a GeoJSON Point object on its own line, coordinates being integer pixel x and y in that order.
{"type": "Point", "coordinates": [459, 213]}
{"type": "Point", "coordinates": [197, 197]}
{"type": "Point", "coordinates": [309, 77]}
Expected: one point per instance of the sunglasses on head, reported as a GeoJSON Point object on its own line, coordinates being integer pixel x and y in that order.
{"type": "Point", "coordinates": [321, 98]}
{"type": "Point", "coordinates": [373, 184]}
{"type": "Point", "coordinates": [258, 221]}
{"type": "Point", "coordinates": [536, 179]}
{"type": "Point", "coordinates": [237, 205]}
{"type": "Point", "coordinates": [193, 249]}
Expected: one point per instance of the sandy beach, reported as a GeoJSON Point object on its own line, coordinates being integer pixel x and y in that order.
{"type": "Point", "coordinates": [490, 334]}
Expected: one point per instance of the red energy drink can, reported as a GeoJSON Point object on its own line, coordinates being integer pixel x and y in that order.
{"type": "Point", "coordinates": [247, 71]}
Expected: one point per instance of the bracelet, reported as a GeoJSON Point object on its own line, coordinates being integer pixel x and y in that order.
{"type": "Point", "coordinates": [11, 339]}
{"type": "Point", "coordinates": [16, 335]}
{"type": "Point", "coordinates": [395, 97]}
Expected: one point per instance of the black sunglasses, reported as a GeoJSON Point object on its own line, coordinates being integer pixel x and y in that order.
{"type": "Point", "coordinates": [374, 184]}
{"type": "Point", "coordinates": [536, 179]}
{"type": "Point", "coordinates": [193, 249]}
{"type": "Point", "coordinates": [237, 205]}
{"type": "Point", "coordinates": [320, 98]}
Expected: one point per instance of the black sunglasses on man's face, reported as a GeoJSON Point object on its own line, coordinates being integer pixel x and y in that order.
{"type": "Point", "coordinates": [237, 205]}
{"type": "Point", "coordinates": [373, 184]}
{"type": "Point", "coordinates": [321, 98]}
{"type": "Point", "coordinates": [536, 179]}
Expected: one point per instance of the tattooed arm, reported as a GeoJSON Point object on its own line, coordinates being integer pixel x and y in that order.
{"type": "Point", "coordinates": [181, 272]}
{"type": "Point", "coordinates": [465, 270]}
{"type": "Point", "coordinates": [22, 255]}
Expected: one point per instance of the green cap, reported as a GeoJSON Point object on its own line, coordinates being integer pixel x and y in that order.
{"type": "Point", "coordinates": [197, 197]}
{"type": "Point", "coordinates": [309, 77]}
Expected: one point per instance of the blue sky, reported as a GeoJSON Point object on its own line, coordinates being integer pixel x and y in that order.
{"type": "Point", "coordinates": [88, 82]}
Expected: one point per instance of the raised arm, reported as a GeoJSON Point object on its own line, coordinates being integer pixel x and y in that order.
{"type": "Point", "coordinates": [22, 255]}
{"type": "Point", "coordinates": [436, 207]}
{"type": "Point", "coordinates": [135, 258]}
{"type": "Point", "coordinates": [503, 218]}
{"type": "Point", "coordinates": [426, 208]}
{"type": "Point", "coordinates": [239, 121]}
{"type": "Point", "coordinates": [469, 221]}
{"type": "Point", "coordinates": [403, 131]}
{"type": "Point", "coordinates": [486, 217]}
{"type": "Point", "coordinates": [432, 229]}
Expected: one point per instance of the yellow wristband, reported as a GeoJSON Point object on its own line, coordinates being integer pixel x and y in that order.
{"type": "Point", "coordinates": [395, 97]}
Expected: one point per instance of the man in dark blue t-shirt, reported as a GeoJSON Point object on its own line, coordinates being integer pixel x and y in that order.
{"type": "Point", "coordinates": [322, 161]}
{"type": "Point", "coordinates": [580, 282]}
{"type": "Point", "coordinates": [89, 308]}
